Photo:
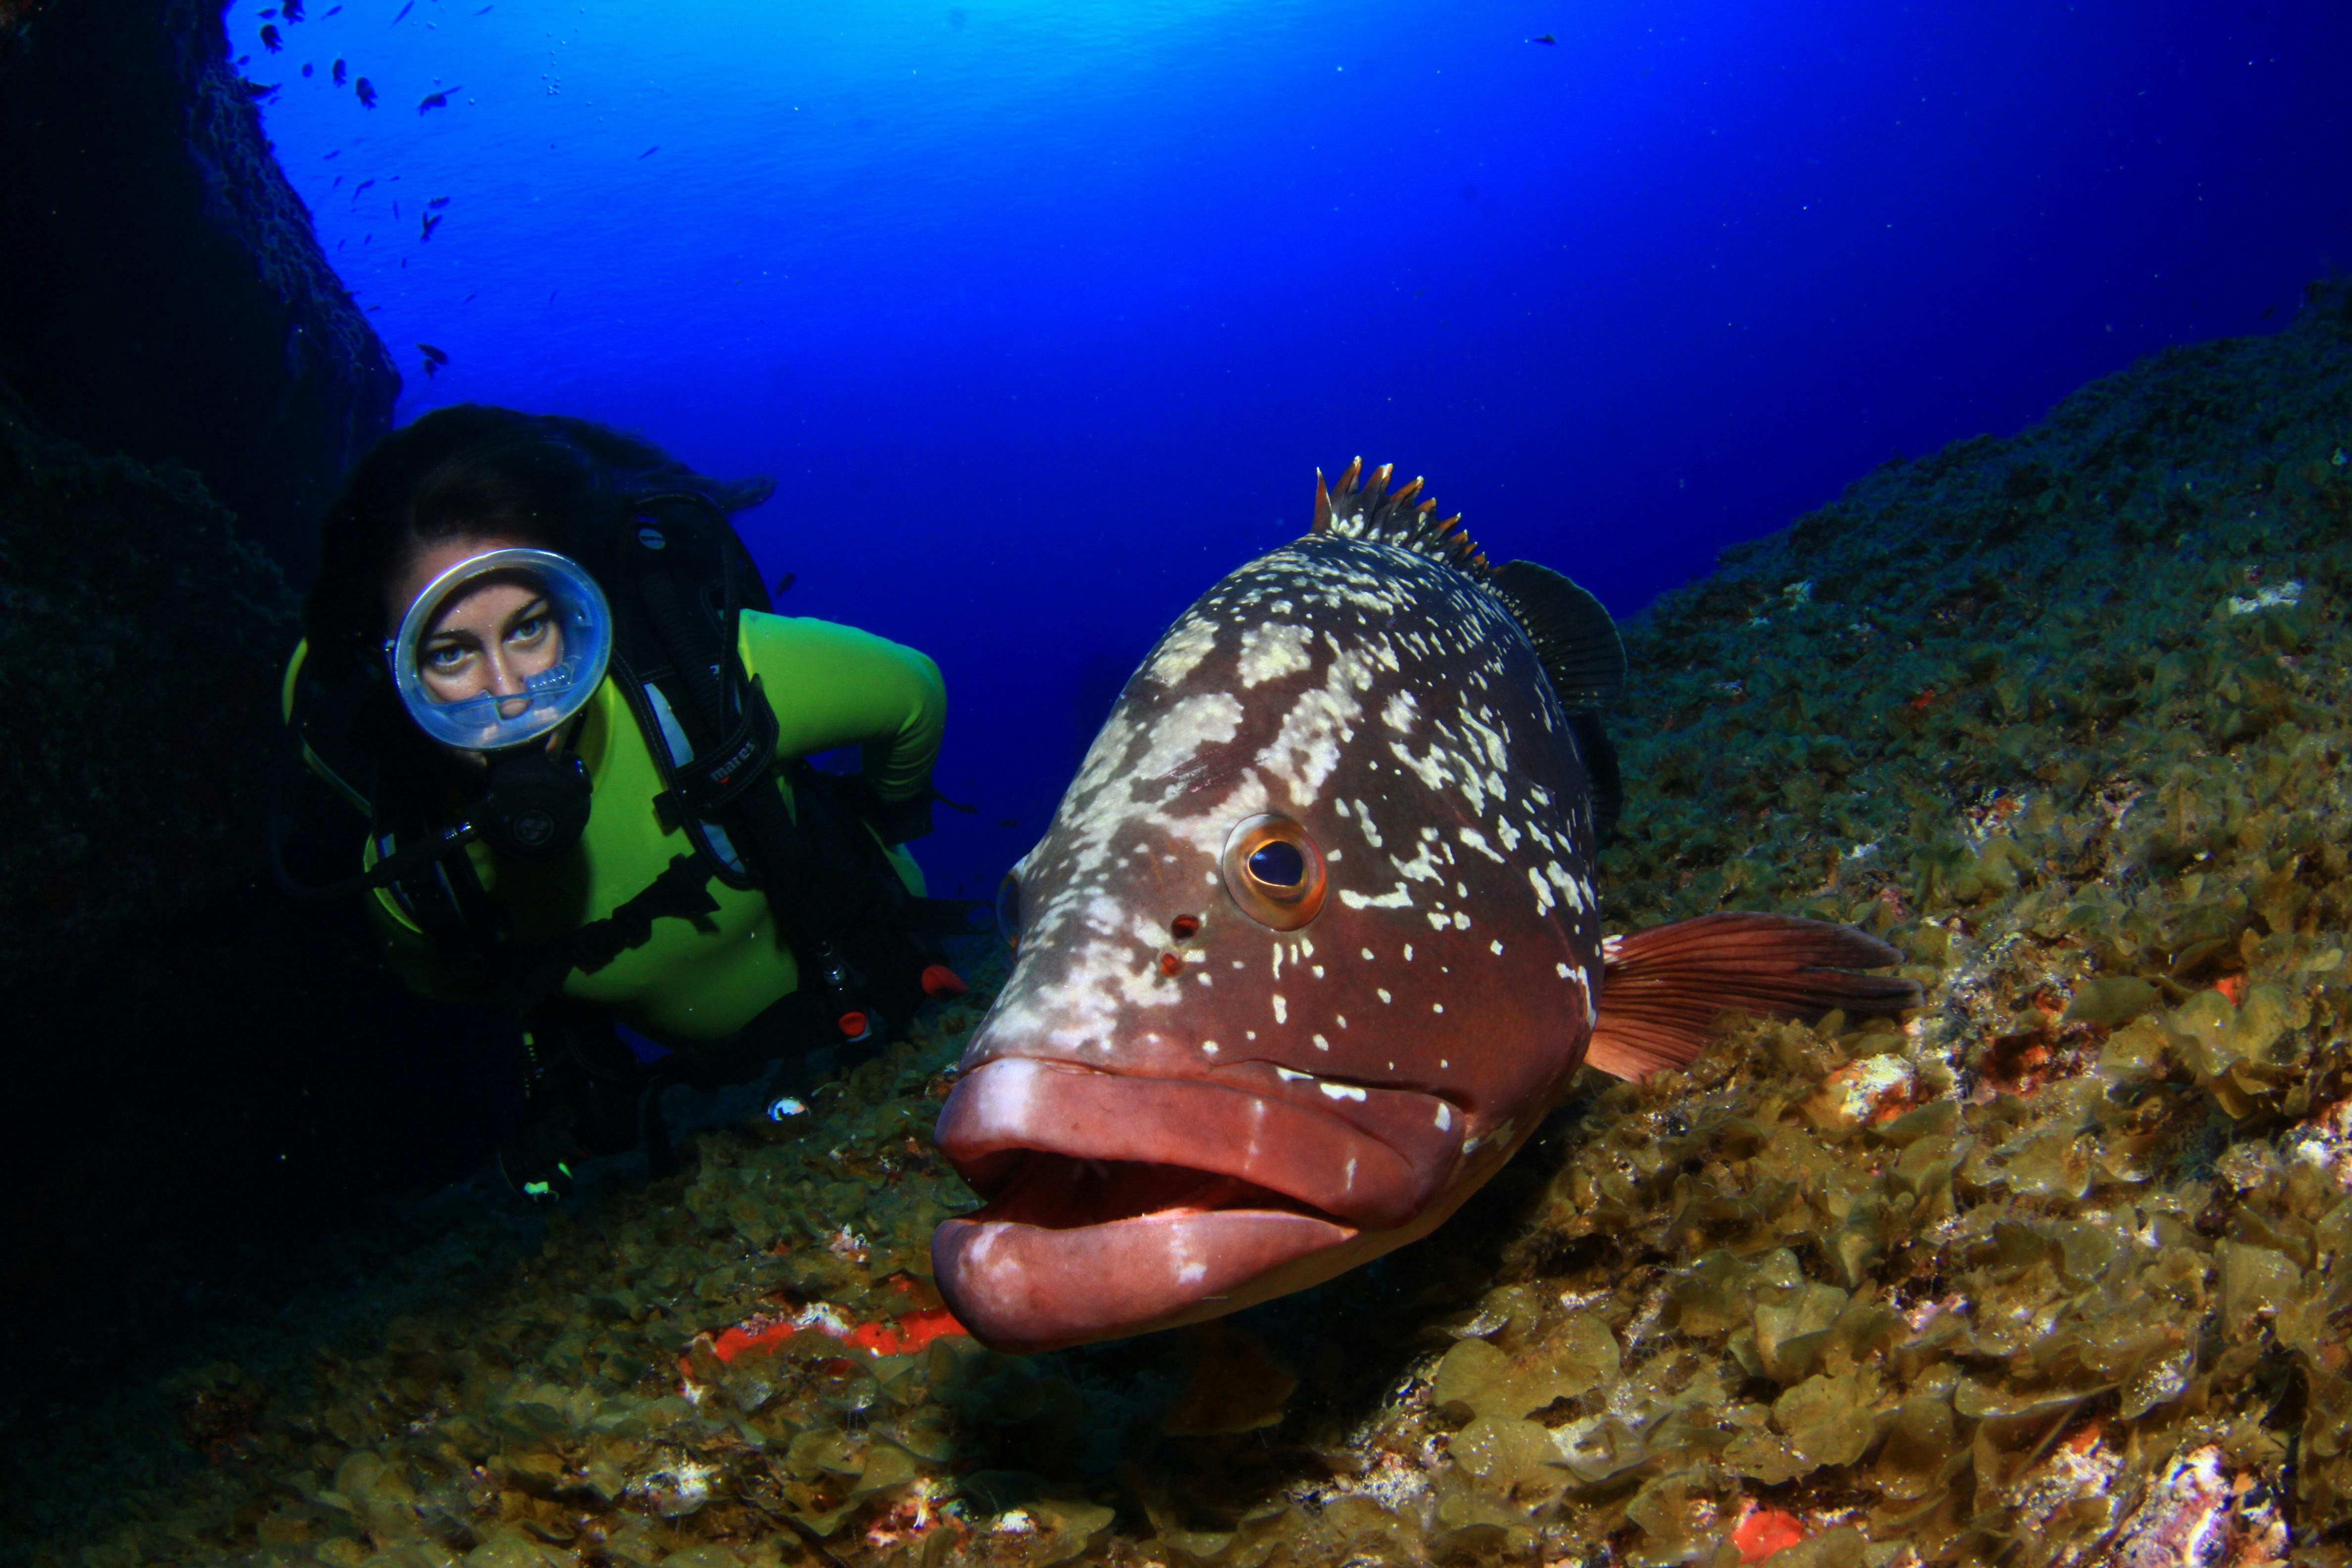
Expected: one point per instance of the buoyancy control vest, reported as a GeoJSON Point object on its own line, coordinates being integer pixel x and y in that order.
{"type": "Point", "coordinates": [679, 579]}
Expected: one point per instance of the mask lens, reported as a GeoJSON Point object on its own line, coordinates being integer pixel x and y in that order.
{"type": "Point", "coordinates": [502, 648]}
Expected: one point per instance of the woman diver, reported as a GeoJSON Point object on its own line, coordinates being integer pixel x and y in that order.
{"type": "Point", "coordinates": [539, 661]}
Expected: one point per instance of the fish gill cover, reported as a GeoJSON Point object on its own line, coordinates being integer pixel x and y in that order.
{"type": "Point", "coordinates": [2057, 1272]}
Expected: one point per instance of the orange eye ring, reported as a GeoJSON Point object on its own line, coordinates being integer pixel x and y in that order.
{"type": "Point", "coordinates": [1273, 872]}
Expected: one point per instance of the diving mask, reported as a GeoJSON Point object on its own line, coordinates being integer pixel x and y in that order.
{"type": "Point", "coordinates": [530, 678]}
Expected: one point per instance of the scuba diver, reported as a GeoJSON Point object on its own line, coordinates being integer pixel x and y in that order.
{"type": "Point", "coordinates": [541, 663]}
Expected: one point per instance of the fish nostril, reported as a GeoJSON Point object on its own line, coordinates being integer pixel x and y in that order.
{"type": "Point", "coordinates": [1170, 965]}
{"type": "Point", "coordinates": [1184, 927]}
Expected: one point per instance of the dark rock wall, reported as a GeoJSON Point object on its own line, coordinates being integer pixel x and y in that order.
{"type": "Point", "coordinates": [139, 641]}
{"type": "Point", "coordinates": [205, 1079]}
{"type": "Point", "coordinates": [167, 297]}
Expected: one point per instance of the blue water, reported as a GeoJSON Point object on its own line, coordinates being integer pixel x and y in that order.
{"type": "Point", "coordinates": [1044, 314]}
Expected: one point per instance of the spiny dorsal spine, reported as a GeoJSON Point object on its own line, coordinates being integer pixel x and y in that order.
{"type": "Point", "coordinates": [1367, 511]}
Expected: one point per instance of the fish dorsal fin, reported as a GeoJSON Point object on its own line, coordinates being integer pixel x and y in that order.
{"type": "Point", "coordinates": [1572, 632]}
{"type": "Point", "coordinates": [1663, 989]}
{"type": "Point", "coordinates": [1361, 506]}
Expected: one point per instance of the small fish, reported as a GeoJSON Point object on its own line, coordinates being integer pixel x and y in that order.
{"type": "Point", "coordinates": [432, 355]}
{"type": "Point", "coordinates": [331, 10]}
{"type": "Point", "coordinates": [333, 152]}
{"type": "Point", "coordinates": [436, 99]}
{"type": "Point", "coordinates": [784, 584]}
{"type": "Point", "coordinates": [405, 10]}
{"type": "Point", "coordinates": [649, 152]}
{"type": "Point", "coordinates": [438, 202]}
{"type": "Point", "coordinates": [366, 90]}
{"type": "Point", "coordinates": [362, 186]}
{"type": "Point", "coordinates": [339, 73]}
{"type": "Point", "coordinates": [307, 67]}
{"type": "Point", "coordinates": [258, 89]}
{"type": "Point", "coordinates": [269, 38]}
{"type": "Point", "coordinates": [291, 10]}
{"type": "Point", "coordinates": [432, 222]}
{"type": "Point", "coordinates": [1008, 822]}
{"type": "Point", "coordinates": [1311, 945]}
{"type": "Point", "coordinates": [485, 11]}
{"type": "Point", "coordinates": [1547, 40]}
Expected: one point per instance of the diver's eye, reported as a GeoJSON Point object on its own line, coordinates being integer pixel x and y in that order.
{"type": "Point", "coordinates": [1274, 871]}
{"type": "Point", "coordinates": [447, 657]}
{"type": "Point", "coordinates": [1008, 908]}
{"type": "Point", "coordinates": [526, 632]}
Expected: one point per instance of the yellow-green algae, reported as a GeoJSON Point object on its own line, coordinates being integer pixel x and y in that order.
{"type": "Point", "coordinates": [2054, 1272]}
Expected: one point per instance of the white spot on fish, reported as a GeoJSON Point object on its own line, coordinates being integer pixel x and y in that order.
{"type": "Point", "coordinates": [1210, 1047]}
{"type": "Point", "coordinates": [1383, 994]}
{"type": "Point", "coordinates": [1187, 642]}
{"type": "Point", "coordinates": [1341, 1090]}
{"type": "Point", "coordinates": [1496, 948]}
{"type": "Point", "coordinates": [1321, 1044]}
{"type": "Point", "coordinates": [1287, 1075]}
{"type": "Point", "coordinates": [1397, 898]}
{"type": "Point", "coordinates": [1399, 712]}
{"type": "Point", "coordinates": [1271, 652]}
{"type": "Point", "coordinates": [1445, 1116]}
{"type": "Point", "coordinates": [1437, 1007]}
{"type": "Point", "coordinates": [1477, 840]}
{"type": "Point", "coordinates": [1281, 1009]}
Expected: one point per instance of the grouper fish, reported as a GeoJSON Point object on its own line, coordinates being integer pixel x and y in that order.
{"type": "Point", "coordinates": [1311, 944]}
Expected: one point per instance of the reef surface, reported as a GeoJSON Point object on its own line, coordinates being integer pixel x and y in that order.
{"type": "Point", "coordinates": [2055, 1272]}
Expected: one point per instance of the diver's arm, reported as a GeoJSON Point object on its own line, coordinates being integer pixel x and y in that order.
{"type": "Point", "coordinates": [836, 686]}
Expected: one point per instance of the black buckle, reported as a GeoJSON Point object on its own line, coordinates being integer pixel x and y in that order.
{"type": "Point", "coordinates": [705, 786]}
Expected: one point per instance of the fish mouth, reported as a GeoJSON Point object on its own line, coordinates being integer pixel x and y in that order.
{"type": "Point", "coordinates": [1117, 1204]}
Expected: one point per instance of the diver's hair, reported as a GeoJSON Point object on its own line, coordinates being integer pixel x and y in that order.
{"type": "Point", "coordinates": [475, 469]}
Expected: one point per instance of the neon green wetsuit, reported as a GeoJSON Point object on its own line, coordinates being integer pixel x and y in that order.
{"type": "Point", "coordinates": [697, 980]}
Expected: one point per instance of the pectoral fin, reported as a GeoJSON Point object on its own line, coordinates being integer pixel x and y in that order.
{"type": "Point", "coordinates": [1664, 988]}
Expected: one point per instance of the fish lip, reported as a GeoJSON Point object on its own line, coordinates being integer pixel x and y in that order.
{"type": "Point", "coordinates": [1169, 1141]}
{"type": "Point", "coordinates": [1025, 1288]}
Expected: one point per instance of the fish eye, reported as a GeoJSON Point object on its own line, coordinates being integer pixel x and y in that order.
{"type": "Point", "coordinates": [1008, 908]}
{"type": "Point", "coordinates": [1278, 865]}
{"type": "Point", "coordinates": [1274, 871]}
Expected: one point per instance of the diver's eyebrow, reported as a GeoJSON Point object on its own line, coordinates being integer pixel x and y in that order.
{"type": "Point", "coordinates": [538, 606]}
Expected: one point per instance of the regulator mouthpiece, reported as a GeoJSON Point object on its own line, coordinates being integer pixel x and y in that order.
{"type": "Point", "coordinates": [483, 686]}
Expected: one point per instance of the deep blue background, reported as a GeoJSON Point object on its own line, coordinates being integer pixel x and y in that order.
{"type": "Point", "coordinates": [1044, 314]}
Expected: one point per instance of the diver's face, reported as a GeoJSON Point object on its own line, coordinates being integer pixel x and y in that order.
{"type": "Point", "coordinates": [490, 636]}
